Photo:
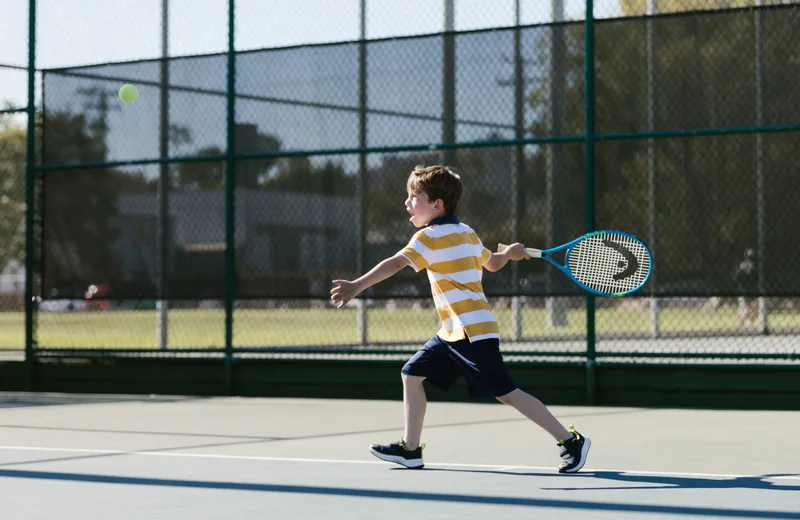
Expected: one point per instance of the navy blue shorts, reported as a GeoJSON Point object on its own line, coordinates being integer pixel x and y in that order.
{"type": "Point", "coordinates": [442, 363]}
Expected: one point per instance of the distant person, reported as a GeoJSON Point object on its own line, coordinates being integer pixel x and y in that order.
{"type": "Point", "coordinates": [468, 342]}
{"type": "Point", "coordinates": [747, 283]}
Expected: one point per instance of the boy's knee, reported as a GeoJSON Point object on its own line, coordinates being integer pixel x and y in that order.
{"type": "Point", "coordinates": [409, 379]}
{"type": "Point", "coordinates": [506, 398]}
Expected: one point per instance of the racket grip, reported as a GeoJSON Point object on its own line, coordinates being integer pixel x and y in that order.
{"type": "Point", "coordinates": [533, 253]}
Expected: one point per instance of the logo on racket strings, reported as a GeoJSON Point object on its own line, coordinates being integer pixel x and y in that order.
{"type": "Point", "coordinates": [631, 263]}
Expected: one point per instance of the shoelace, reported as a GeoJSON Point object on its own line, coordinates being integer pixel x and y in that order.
{"type": "Point", "coordinates": [575, 436]}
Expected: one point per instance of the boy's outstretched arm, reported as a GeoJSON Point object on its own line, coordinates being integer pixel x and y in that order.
{"type": "Point", "coordinates": [513, 252]}
{"type": "Point", "coordinates": [344, 290]}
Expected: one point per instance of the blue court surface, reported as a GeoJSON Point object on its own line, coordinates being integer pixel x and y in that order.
{"type": "Point", "coordinates": [135, 457]}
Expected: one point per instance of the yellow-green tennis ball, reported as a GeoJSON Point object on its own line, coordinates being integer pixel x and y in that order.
{"type": "Point", "coordinates": [128, 93]}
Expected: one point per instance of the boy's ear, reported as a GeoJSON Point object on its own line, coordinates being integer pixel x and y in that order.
{"type": "Point", "coordinates": [438, 204]}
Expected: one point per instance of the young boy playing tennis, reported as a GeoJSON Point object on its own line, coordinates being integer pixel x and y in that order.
{"type": "Point", "coordinates": [468, 343]}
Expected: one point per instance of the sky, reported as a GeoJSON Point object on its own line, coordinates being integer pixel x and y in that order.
{"type": "Point", "coordinates": [83, 32]}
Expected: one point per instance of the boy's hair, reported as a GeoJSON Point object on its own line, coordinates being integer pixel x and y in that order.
{"type": "Point", "coordinates": [437, 182]}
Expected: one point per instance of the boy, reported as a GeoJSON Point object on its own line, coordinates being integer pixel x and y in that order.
{"type": "Point", "coordinates": [468, 342]}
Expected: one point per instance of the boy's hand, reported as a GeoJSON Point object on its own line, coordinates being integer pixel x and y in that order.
{"type": "Point", "coordinates": [517, 251]}
{"type": "Point", "coordinates": [505, 253]}
{"type": "Point", "coordinates": [343, 291]}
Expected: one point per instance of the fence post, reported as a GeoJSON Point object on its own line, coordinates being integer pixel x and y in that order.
{"type": "Point", "coordinates": [30, 157]}
{"type": "Point", "coordinates": [519, 169]}
{"type": "Point", "coordinates": [230, 202]}
{"type": "Point", "coordinates": [556, 308]}
{"type": "Point", "coordinates": [652, 163]}
{"type": "Point", "coordinates": [449, 83]}
{"type": "Point", "coordinates": [763, 324]}
{"type": "Point", "coordinates": [162, 306]}
{"type": "Point", "coordinates": [591, 390]}
{"type": "Point", "coordinates": [361, 230]}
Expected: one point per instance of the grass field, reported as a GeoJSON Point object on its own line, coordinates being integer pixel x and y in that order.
{"type": "Point", "coordinates": [283, 327]}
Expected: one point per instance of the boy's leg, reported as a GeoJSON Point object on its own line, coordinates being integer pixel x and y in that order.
{"type": "Point", "coordinates": [537, 412]}
{"type": "Point", "coordinates": [487, 371]}
{"type": "Point", "coordinates": [488, 375]}
{"type": "Point", "coordinates": [414, 404]}
{"type": "Point", "coordinates": [573, 447]}
{"type": "Point", "coordinates": [408, 451]}
{"type": "Point", "coordinates": [430, 363]}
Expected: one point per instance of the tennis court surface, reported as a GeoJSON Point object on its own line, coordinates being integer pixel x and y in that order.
{"type": "Point", "coordinates": [135, 457]}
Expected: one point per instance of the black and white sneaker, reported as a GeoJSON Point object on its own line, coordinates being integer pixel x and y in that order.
{"type": "Point", "coordinates": [573, 452]}
{"type": "Point", "coordinates": [398, 453]}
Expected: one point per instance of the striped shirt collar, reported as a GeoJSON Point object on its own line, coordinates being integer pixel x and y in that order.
{"type": "Point", "coordinates": [444, 219]}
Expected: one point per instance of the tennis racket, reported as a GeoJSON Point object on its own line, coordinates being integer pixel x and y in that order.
{"type": "Point", "coordinates": [608, 263]}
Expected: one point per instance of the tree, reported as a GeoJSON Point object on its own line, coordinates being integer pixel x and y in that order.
{"type": "Point", "coordinates": [300, 175]}
{"type": "Point", "coordinates": [250, 173]}
{"type": "Point", "coordinates": [12, 191]}
{"type": "Point", "coordinates": [705, 71]}
{"type": "Point", "coordinates": [203, 175]}
{"type": "Point", "coordinates": [80, 207]}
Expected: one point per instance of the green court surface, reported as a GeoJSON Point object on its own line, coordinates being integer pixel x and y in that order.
{"type": "Point", "coordinates": [280, 327]}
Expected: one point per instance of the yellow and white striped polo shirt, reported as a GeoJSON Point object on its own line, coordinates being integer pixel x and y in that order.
{"type": "Point", "coordinates": [454, 255]}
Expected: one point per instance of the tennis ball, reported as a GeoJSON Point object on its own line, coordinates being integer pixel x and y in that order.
{"type": "Point", "coordinates": [128, 93]}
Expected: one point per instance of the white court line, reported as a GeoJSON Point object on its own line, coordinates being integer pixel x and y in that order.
{"type": "Point", "coordinates": [345, 461]}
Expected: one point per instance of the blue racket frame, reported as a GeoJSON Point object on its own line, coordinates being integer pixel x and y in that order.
{"type": "Point", "coordinates": [543, 253]}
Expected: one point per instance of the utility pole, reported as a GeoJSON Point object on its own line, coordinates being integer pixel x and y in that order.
{"type": "Point", "coordinates": [162, 306]}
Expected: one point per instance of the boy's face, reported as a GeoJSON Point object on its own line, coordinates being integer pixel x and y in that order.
{"type": "Point", "coordinates": [421, 209]}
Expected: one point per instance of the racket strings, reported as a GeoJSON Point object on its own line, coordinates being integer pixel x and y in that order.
{"type": "Point", "coordinates": [595, 264]}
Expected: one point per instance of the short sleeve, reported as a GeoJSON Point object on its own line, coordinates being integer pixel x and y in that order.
{"type": "Point", "coordinates": [485, 255]}
{"type": "Point", "coordinates": [415, 252]}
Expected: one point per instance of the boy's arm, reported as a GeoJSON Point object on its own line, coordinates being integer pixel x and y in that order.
{"type": "Point", "coordinates": [498, 260]}
{"type": "Point", "coordinates": [345, 290]}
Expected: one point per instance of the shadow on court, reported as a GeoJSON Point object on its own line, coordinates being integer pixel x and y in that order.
{"type": "Point", "coordinates": [650, 482]}
{"type": "Point", "coordinates": [403, 495]}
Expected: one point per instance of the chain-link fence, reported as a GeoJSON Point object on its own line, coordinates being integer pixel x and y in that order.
{"type": "Point", "coordinates": [211, 214]}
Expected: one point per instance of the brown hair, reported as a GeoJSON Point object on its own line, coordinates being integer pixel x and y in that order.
{"type": "Point", "coordinates": [437, 182]}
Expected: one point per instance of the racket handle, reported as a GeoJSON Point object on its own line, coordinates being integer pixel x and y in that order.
{"type": "Point", "coordinates": [533, 253]}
